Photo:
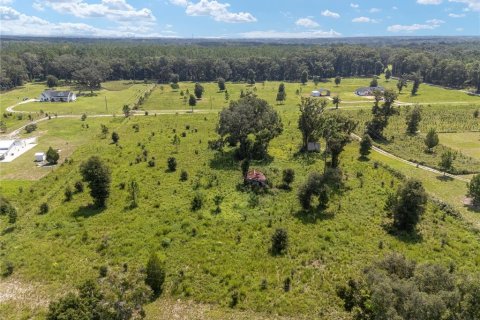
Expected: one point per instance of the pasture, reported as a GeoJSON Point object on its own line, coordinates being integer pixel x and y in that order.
{"type": "Point", "coordinates": [467, 143]}
{"type": "Point", "coordinates": [212, 255]}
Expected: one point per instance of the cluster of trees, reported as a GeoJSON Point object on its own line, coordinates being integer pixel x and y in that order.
{"type": "Point", "coordinates": [91, 63]}
{"type": "Point", "coordinates": [398, 288]}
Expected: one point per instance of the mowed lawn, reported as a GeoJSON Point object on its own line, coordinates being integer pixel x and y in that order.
{"type": "Point", "coordinates": [466, 142]}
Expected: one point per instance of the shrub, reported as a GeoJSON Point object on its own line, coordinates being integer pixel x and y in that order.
{"type": "Point", "coordinates": [44, 208]}
{"type": "Point", "coordinates": [279, 241]}
{"type": "Point", "coordinates": [197, 202]}
{"type": "Point", "coordinates": [474, 189]}
{"type": "Point", "coordinates": [78, 186]}
{"type": "Point", "coordinates": [288, 176]}
{"type": "Point", "coordinates": [7, 209]}
{"type": "Point", "coordinates": [184, 175]}
{"type": "Point", "coordinates": [29, 128]}
{"type": "Point", "coordinates": [408, 205]}
{"type": "Point", "coordinates": [155, 275]}
{"type": "Point", "coordinates": [365, 145]}
{"type": "Point", "coordinates": [151, 163]}
{"type": "Point", "coordinates": [7, 269]}
{"type": "Point", "coordinates": [68, 193]}
{"type": "Point", "coordinates": [84, 117]}
{"type": "Point", "coordinates": [115, 137]}
{"type": "Point", "coordinates": [172, 164]}
{"type": "Point", "coordinates": [102, 271]}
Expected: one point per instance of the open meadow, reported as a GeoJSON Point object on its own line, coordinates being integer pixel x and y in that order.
{"type": "Point", "coordinates": [219, 255]}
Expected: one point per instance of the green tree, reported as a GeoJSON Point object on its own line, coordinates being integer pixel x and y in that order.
{"type": "Point", "coordinates": [336, 131]}
{"type": "Point", "coordinates": [446, 161]}
{"type": "Point", "coordinates": [198, 90]}
{"type": "Point", "coordinates": [338, 80]}
{"type": "Point", "coordinates": [104, 130]}
{"type": "Point", "coordinates": [115, 137]}
{"type": "Point", "coordinates": [311, 120]}
{"type": "Point", "coordinates": [281, 94]}
{"type": "Point", "coordinates": [134, 191]}
{"type": "Point", "coordinates": [68, 193]}
{"type": "Point", "coordinates": [52, 156]}
{"type": "Point", "coordinates": [250, 122]}
{"type": "Point", "coordinates": [279, 242]}
{"type": "Point", "coordinates": [388, 74]}
{"type": "Point", "coordinates": [431, 140]}
{"type": "Point", "coordinates": [374, 82]}
{"type": "Point", "coordinates": [417, 79]}
{"type": "Point", "coordinates": [365, 145]}
{"type": "Point", "coordinates": [155, 274]}
{"type": "Point", "coordinates": [413, 120]}
{"type": "Point", "coordinates": [192, 101]}
{"type": "Point", "coordinates": [408, 205]}
{"type": "Point", "coordinates": [221, 84]}
{"type": "Point", "coordinates": [316, 80]}
{"type": "Point", "coordinates": [304, 77]}
{"type": "Point", "coordinates": [98, 177]}
{"type": "Point", "coordinates": [336, 101]}
{"type": "Point", "coordinates": [288, 175]}
{"type": "Point", "coordinates": [52, 81]}
{"type": "Point", "coordinates": [251, 76]}
{"type": "Point", "coordinates": [474, 189]}
{"type": "Point", "coordinates": [126, 110]}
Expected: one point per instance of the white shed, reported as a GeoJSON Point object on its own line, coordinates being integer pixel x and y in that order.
{"type": "Point", "coordinates": [40, 156]}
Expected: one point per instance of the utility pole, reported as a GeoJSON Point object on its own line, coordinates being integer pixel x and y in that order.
{"type": "Point", "coordinates": [106, 106]}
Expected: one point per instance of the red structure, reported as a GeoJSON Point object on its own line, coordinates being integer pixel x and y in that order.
{"type": "Point", "coordinates": [255, 177]}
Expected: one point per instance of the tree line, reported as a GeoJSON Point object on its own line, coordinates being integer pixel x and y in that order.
{"type": "Point", "coordinates": [92, 62]}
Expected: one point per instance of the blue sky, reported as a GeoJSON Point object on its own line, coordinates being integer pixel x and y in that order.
{"type": "Point", "coordinates": [239, 18]}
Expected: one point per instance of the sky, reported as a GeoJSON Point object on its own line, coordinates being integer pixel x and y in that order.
{"type": "Point", "coordinates": [239, 18]}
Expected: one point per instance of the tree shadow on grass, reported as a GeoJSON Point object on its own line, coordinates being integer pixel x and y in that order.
{"type": "Point", "coordinates": [412, 237]}
{"type": "Point", "coordinates": [308, 158]}
{"type": "Point", "coordinates": [470, 206]}
{"type": "Point", "coordinates": [87, 211]}
{"type": "Point", "coordinates": [224, 161]}
{"type": "Point", "coordinates": [314, 214]}
{"type": "Point", "coordinates": [363, 159]}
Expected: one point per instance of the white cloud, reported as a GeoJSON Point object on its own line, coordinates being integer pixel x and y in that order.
{"type": "Point", "coordinates": [16, 23]}
{"type": "Point", "coordinates": [394, 8]}
{"type": "Point", "coordinates": [297, 35]}
{"type": "Point", "coordinates": [330, 14]}
{"type": "Point", "coordinates": [116, 10]}
{"type": "Point", "coordinates": [434, 2]}
{"type": "Point", "coordinates": [218, 11]}
{"type": "Point", "coordinates": [354, 5]}
{"type": "Point", "coordinates": [307, 23]}
{"type": "Point", "coordinates": [375, 10]}
{"type": "Point", "coordinates": [454, 15]}
{"type": "Point", "coordinates": [459, 29]}
{"type": "Point", "coordinates": [428, 25]}
{"type": "Point", "coordinates": [473, 5]}
{"type": "Point", "coordinates": [364, 20]}
{"type": "Point", "coordinates": [4, 2]}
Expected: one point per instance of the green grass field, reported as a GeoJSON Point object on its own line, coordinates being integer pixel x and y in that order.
{"type": "Point", "coordinates": [209, 256]}
{"type": "Point", "coordinates": [467, 143]}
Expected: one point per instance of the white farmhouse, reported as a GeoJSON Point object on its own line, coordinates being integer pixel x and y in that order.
{"type": "Point", "coordinates": [57, 96]}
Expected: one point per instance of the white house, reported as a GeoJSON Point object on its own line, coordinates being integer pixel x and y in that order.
{"type": "Point", "coordinates": [5, 147]}
{"type": "Point", "coordinates": [57, 96]}
{"type": "Point", "coordinates": [320, 93]}
{"type": "Point", "coordinates": [40, 156]}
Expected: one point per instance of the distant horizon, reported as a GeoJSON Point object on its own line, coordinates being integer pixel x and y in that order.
{"type": "Point", "coordinates": [235, 19]}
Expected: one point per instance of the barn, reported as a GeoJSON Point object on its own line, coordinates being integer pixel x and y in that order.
{"type": "Point", "coordinates": [57, 96]}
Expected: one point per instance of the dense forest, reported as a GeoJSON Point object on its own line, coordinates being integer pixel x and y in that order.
{"type": "Point", "coordinates": [91, 62]}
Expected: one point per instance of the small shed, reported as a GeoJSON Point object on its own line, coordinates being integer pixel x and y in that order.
{"type": "Point", "coordinates": [322, 92]}
{"type": "Point", "coordinates": [256, 178]}
{"type": "Point", "coordinates": [40, 157]}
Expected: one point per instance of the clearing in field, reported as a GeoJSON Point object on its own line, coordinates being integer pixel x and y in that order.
{"type": "Point", "coordinates": [467, 143]}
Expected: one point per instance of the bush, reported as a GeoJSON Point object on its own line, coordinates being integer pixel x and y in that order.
{"type": "Point", "coordinates": [44, 208]}
{"type": "Point", "coordinates": [474, 189]}
{"type": "Point", "coordinates": [68, 194]}
{"type": "Point", "coordinates": [78, 186]}
{"type": "Point", "coordinates": [7, 269]}
{"type": "Point", "coordinates": [84, 117]}
{"type": "Point", "coordinates": [172, 164]}
{"type": "Point", "coordinates": [184, 175]}
{"type": "Point", "coordinates": [7, 209]}
{"type": "Point", "coordinates": [408, 205]}
{"type": "Point", "coordinates": [115, 137]}
{"type": "Point", "coordinates": [279, 242]}
{"type": "Point", "coordinates": [97, 174]}
{"type": "Point", "coordinates": [288, 176]}
{"type": "Point", "coordinates": [197, 202]}
{"type": "Point", "coordinates": [155, 275]}
{"type": "Point", "coordinates": [29, 128]}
